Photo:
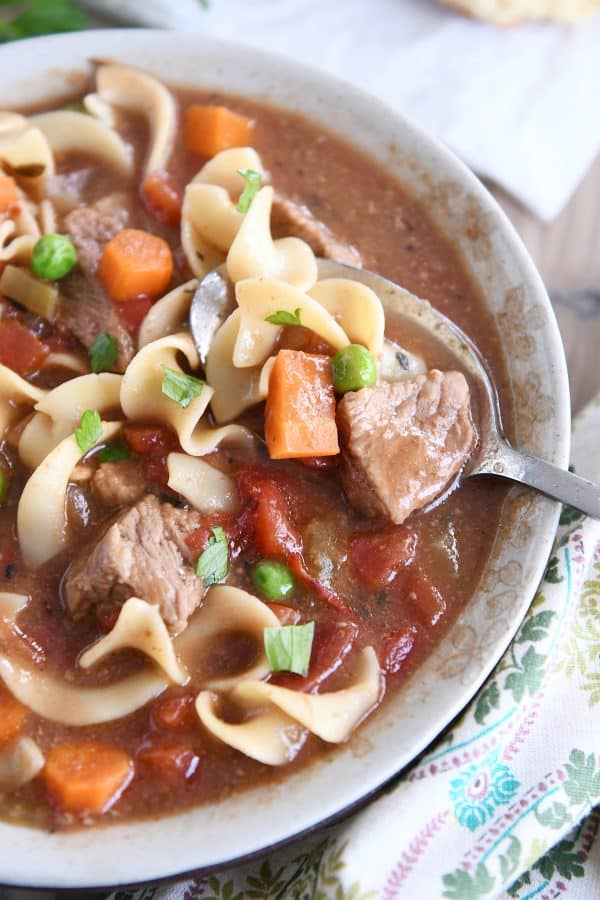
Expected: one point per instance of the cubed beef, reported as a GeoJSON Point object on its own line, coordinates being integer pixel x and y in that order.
{"type": "Point", "coordinates": [142, 554]}
{"type": "Point", "coordinates": [403, 443]}
{"type": "Point", "coordinates": [291, 219]}
{"type": "Point", "coordinates": [84, 306]}
{"type": "Point", "coordinates": [119, 483]}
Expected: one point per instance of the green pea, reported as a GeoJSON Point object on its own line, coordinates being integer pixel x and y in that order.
{"type": "Point", "coordinates": [273, 579]}
{"type": "Point", "coordinates": [353, 368]}
{"type": "Point", "coordinates": [53, 257]}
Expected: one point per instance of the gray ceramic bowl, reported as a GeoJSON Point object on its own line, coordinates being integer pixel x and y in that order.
{"type": "Point", "coordinates": [214, 835]}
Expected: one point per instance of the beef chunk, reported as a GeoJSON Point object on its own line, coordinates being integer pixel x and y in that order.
{"type": "Point", "coordinates": [119, 483]}
{"type": "Point", "coordinates": [84, 306]}
{"type": "Point", "coordinates": [143, 554]}
{"type": "Point", "coordinates": [404, 442]}
{"type": "Point", "coordinates": [291, 219]}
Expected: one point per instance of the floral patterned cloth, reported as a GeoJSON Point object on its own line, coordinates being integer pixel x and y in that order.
{"type": "Point", "coordinates": [503, 805]}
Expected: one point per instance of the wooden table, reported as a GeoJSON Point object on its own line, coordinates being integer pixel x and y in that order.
{"type": "Point", "coordinates": [567, 253]}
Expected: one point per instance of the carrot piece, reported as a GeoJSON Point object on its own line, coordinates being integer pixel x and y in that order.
{"type": "Point", "coordinates": [300, 410]}
{"type": "Point", "coordinates": [210, 129]}
{"type": "Point", "coordinates": [135, 262]}
{"type": "Point", "coordinates": [12, 717]}
{"type": "Point", "coordinates": [163, 197]}
{"type": "Point", "coordinates": [87, 776]}
{"type": "Point", "coordinates": [20, 350]}
{"type": "Point", "coordinates": [8, 193]}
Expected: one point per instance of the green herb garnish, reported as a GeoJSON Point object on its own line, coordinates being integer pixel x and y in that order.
{"type": "Point", "coordinates": [43, 17]}
{"type": "Point", "coordinates": [213, 563]}
{"type": "Point", "coordinates": [283, 317]}
{"type": "Point", "coordinates": [288, 648]}
{"type": "Point", "coordinates": [251, 188]}
{"type": "Point", "coordinates": [103, 353]}
{"type": "Point", "coordinates": [113, 453]}
{"type": "Point", "coordinates": [3, 487]}
{"type": "Point", "coordinates": [181, 388]}
{"type": "Point", "coordinates": [89, 431]}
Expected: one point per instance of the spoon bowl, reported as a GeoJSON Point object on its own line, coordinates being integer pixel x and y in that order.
{"type": "Point", "coordinates": [213, 301]}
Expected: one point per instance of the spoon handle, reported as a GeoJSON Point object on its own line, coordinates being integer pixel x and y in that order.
{"type": "Point", "coordinates": [570, 489]}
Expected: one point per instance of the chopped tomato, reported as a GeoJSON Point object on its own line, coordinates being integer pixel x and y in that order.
{"type": "Point", "coordinates": [177, 713]}
{"type": "Point", "coordinates": [175, 759]}
{"type": "Point", "coordinates": [20, 350]}
{"type": "Point", "coordinates": [397, 647]}
{"type": "Point", "coordinates": [150, 440]}
{"type": "Point", "coordinates": [275, 537]}
{"type": "Point", "coordinates": [198, 540]}
{"type": "Point", "coordinates": [331, 644]}
{"type": "Point", "coordinates": [378, 556]}
{"type": "Point", "coordinates": [162, 196]}
{"type": "Point", "coordinates": [426, 600]}
{"type": "Point", "coordinates": [134, 312]}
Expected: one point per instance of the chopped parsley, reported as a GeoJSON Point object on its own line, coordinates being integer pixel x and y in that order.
{"type": "Point", "coordinates": [3, 487]}
{"type": "Point", "coordinates": [213, 563]}
{"type": "Point", "coordinates": [251, 188]}
{"type": "Point", "coordinates": [103, 353]}
{"type": "Point", "coordinates": [89, 431]}
{"type": "Point", "coordinates": [181, 388]}
{"type": "Point", "coordinates": [283, 317]}
{"type": "Point", "coordinates": [288, 648]}
{"type": "Point", "coordinates": [113, 453]}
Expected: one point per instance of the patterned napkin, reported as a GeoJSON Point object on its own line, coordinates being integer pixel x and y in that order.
{"type": "Point", "coordinates": [502, 805]}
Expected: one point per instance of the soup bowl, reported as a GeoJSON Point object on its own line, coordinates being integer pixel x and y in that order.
{"type": "Point", "coordinates": [264, 817]}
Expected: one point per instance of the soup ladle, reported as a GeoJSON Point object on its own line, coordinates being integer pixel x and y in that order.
{"type": "Point", "coordinates": [213, 301]}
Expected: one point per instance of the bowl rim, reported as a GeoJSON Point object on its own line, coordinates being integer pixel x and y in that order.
{"type": "Point", "coordinates": [77, 43]}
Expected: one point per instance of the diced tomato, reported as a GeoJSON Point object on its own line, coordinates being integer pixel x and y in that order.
{"type": "Point", "coordinates": [171, 759]}
{"type": "Point", "coordinates": [274, 534]}
{"type": "Point", "coordinates": [378, 556]}
{"type": "Point", "coordinates": [20, 350]}
{"type": "Point", "coordinates": [134, 312]}
{"type": "Point", "coordinates": [198, 540]}
{"type": "Point", "coordinates": [331, 644]}
{"type": "Point", "coordinates": [162, 196]}
{"type": "Point", "coordinates": [176, 713]}
{"type": "Point", "coordinates": [397, 647]}
{"type": "Point", "coordinates": [287, 615]}
{"type": "Point", "coordinates": [426, 600]}
{"type": "Point", "coordinates": [150, 440]}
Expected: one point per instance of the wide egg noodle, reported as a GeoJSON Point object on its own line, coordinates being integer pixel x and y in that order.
{"type": "Point", "coordinates": [139, 626]}
{"type": "Point", "coordinates": [70, 361]}
{"type": "Point", "coordinates": [62, 702]}
{"type": "Point", "coordinates": [16, 396]}
{"type": "Point", "coordinates": [331, 716]}
{"type": "Point", "coordinates": [226, 609]}
{"type": "Point", "coordinates": [254, 253]}
{"type": "Point", "coordinates": [11, 605]}
{"type": "Point", "coordinates": [58, 413]}
{"type": "Point", "coordinates": [204, 487]}
{"type": "Point", "coordinates": [209, 218]}
{"type": "Point", "coordinates": [21, 761]}
{"type": "Point", "coordinates": [140, 93]}
{"type": "Point", "coordinates": [268, 736]}
{"type": "Point", "coordinates": [142, 398]}
{"type": "Point", "coordinates": [41, 517]}
{"type": "Point", "coordinates": [27, 148]}
{"type": "Point", "coordinates": [356, 308]}
{"type": "Point", "coordinates": [259, 298]}
{"type": "Point", "coordinates": [168, 315]}
{"type": "Point", "coordinates": [68, 131]}
{"type": "Point", "coordinates": [234, 389]}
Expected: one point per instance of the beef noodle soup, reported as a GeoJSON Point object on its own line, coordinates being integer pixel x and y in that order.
{"type": "Point", "coordinates": [213, 573]}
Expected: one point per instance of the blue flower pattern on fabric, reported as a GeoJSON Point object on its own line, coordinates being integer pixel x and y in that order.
{"type": "Point", "coordinates": [480, 789]}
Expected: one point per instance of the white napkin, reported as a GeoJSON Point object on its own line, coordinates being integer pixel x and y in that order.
{"type": "Point", "coordinates": [520, 106]}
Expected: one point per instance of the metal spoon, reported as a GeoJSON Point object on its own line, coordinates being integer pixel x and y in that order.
{"type": "Point", "coordinates": [213, 302]}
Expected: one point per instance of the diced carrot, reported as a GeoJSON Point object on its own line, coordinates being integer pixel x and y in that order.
{"type": "Point", "coordinates": [134, 312]}
{"type": "Point", "coordinates": [20, 350]}
{"type": "Point", "coordinates": [378, 556]}
{"type": "Point", "coordinates": [173, 759]}
{"type": "Point", "coordinates": [163, 197]}
{"type": "Point", "coordinates": [135, 262]}
{"type": "Point", "coordinates": [12, 717]}
{"type": "Point", "coordinates": [8, 193]}
{"type": "Point", "coordinates": [210, 129]}
{"type": "Point", "coordinates": [300, 410]}
{"type": "Point", "coordinates": [87, 776]}
{"type": "Point", "coordinates": [176, 713]}
{"type": "Point", "coordinates": [426, 600]}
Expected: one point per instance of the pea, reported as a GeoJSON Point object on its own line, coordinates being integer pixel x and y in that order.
{"type": "Point", "coordinates": [273, 579]}
{"type": "Point", "coordinates": [353, 368]}
{"type": "Point", "coordinates": [53, 257]}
